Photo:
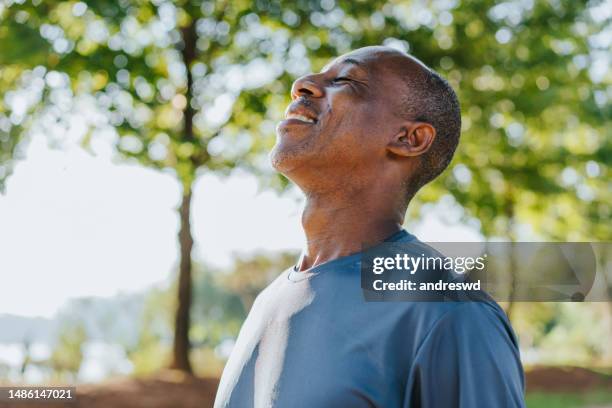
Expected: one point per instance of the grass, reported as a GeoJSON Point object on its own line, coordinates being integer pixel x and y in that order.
{"type": "Point", "coordinates": [602, 398]}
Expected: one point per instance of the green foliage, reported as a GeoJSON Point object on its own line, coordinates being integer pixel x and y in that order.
{"type": "Point", "coordinates": [151, 351]}
{"type": "Point", "coordinates": [536, 143]}
{"type": "Point", "coordinates": [66, 358]}
{"type": "Point", "coordinates": [568, 400]}
{"type": "Point", "coordinates": [250, 275]}
{"type": "Point", "coordinates": [564, 333]}
{"type": "Point", "coordinates": [535, 119]}
{"type": "Point", "coordinates": [217, 312]}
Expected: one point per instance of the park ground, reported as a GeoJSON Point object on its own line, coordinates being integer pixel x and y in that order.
{"type": "Point", "coordinates": [548, 387]}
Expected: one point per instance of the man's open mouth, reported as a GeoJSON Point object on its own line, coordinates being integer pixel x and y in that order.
{"type": "Point", "coordinates": [299, 117]}
{"type": "Point", "coordinates": [299, 111]}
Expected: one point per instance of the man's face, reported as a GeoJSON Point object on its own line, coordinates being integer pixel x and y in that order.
{"type": "Point", "coordinates": [340, 119]}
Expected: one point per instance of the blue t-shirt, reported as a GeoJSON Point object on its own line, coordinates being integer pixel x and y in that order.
{"type": "Point", "coordinates": [312, 341]}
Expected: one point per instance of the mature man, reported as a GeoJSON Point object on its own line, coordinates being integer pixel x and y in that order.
{"type": "Point", "coordinates": [360, 138]}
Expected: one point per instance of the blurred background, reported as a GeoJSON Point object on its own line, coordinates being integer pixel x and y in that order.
{"type": "Point", "coordinates": [139, 217]}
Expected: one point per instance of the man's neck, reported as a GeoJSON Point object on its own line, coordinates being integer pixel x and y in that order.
{"type": "Point", "coordinates": [337, 226]}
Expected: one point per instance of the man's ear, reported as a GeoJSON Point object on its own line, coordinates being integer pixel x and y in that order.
{"type": "Point", "coordinates": [413, 139]}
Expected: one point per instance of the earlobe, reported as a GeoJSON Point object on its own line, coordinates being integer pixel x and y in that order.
{"type": "Point", "coordinates": [412, 140]}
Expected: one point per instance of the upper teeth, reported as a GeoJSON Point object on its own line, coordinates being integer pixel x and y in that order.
{"type": "Point", "coordinates": [300, 117]}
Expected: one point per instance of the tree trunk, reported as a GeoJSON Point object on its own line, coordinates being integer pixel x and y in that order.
{"type": "Point", "coordinates": [513, 281]}
{"type": "Point", "coordinates": [513, 262]}
{"type": "Point", "coordinates": [181, 347]}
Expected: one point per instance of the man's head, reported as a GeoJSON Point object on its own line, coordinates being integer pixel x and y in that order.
{"type": "Point", "coordinates": [374, 115]}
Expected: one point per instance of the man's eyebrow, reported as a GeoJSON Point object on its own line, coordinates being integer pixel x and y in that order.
{"type": "Point", "coordinates": [351, 61]}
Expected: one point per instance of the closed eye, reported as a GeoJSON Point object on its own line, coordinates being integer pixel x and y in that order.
{"type": "Point", "coordinates": [342, 79]}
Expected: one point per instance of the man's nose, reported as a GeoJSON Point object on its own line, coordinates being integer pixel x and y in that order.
{"type": "Point", "coordinates": [306, 86]}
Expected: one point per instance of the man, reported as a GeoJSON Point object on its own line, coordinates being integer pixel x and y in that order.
{"type": "Point", "coordinates": [360, 138]}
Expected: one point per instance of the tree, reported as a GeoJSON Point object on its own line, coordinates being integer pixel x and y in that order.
{"type": "Point", "coordinates": [156, 71]}
{"type": "Point", "coordinates": [66, 358]}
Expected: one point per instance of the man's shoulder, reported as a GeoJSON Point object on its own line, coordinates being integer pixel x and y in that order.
{"type": "Point", "coordinates": [275, 284]}
{"type": "Point", "coordinates": [476, 323]}
{"type": "Point", "coordinates": [485, 311]}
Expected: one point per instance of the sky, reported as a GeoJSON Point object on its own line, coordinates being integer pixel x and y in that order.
{"type": "Point", "coordinates": [73, 224]}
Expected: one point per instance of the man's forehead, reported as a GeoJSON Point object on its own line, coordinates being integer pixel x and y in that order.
{"type": "Point", "coordinates": [369, 58]}
{"type": "Point", "coordinates": [361, 57]}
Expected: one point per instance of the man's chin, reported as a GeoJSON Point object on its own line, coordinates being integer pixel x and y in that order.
{"type": "Point", "coordinates": [285, 158]}
{"type": "Point", "coordinates": [279, 159]}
